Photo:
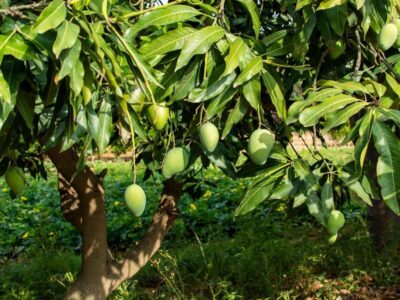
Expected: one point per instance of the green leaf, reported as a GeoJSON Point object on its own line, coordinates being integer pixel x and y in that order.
{"type": "Point", "coordinates": [257, 193]}
{"type": "Point", "coordinates": [275, 92]}
{"type": "Point", "coordinates": [235, 116]}
{"type": "Point", "coordinates": [302, 3]}
{"type": "Point", "coordinates": [76, 78]}
{"type": "Point", "coordinates": [5, 93]}
{"type": "Point", "coordinates": [314, 207]}
{"type": "Point", "coordinates": [356, 187]}
{"type": "Point", "coordinates": [337, 17]}
{"type": "Point", "coordinates": [311, 115]}
{"type": "Point", "coordinates": [236, 51]}
{"type": "Point", "coordinates": [298, 106]}
{"type": "Point", "coordinates": [68, 61]}
{"type": "Point", "coordinates": [160, 17]}
{"type": "Point", "coordinates": [391, 114]}
{"type": "Point", "coordinates": [305, 174]}
{"type": "Point", "coordinates": [388, 147]}
{"type": "Point", "coordinates": [16, 46]}
{"type": "Point", "coordinates": [188, 81]}
{"type": "Point", "coordinates": [67, 34]}
{"type": "Point", "coordinates": [26, 107]}
{"type": "Point", "coordinates": [252, 92]}
{"type": "Point", "coordinates": [251, 7]}
{"type": "Point", "coordinates": [394, 85]}
{"type": "Point", "coordinates": [105, 124]}
{"type": "Point", "coordinates": [51, 17]}
{"type": "Point", "coordinates": [253, 68]}
{"type": "Point", "coordinates": [171, 41]}
{"type": "Point", "coordinates": [348, 86]}
{"type": "Point", "coordinates": [361, 146]}
{"type": "Point", "coordinates": [274, 37]}
{"type": "Point", "coordinates": [216, 88]}
{"type": "Point", "coordinates": [217, 105]}
{"type": "Point", "coordinates": [342, 116]}
{"type": "Point", "coordinates": [199, 43]}
{"type": "Point", "coordinates": [326, 4]}
{"type": "Point", "coordinates": [137, 124]}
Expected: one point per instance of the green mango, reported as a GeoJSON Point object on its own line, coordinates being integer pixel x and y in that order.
{"type": "Point", "coordinates": [335, 222]}
{"type": "Point", "coordinates": [388, 36]}
{"type": "Point", "coordinates": [135, 198]}
{"type": "Point", "coordinates": [209, 136]}
{"type": "Point", "coordinates": [158, 115]}
{"type": "Point", "coordinates": [332, 239]}
{"type": "Point", "coordinates": [15, 180]}
{"type": "Point", "coordinates": [260, 145]}
{"type": "Point", "coordinates": [397, 23]}
{"type": "Point", "coordinates": [176, 161]}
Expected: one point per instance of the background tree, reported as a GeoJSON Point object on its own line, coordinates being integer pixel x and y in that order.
{"type": "Point", "coordinates": [79, 76]}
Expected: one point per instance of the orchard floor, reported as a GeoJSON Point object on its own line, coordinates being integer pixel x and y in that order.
{"type": "Point", "coordinates": [208, 254]}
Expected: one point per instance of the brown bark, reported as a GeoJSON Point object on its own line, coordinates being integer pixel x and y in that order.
{"type": "Point", "coordinates": [82, 204]}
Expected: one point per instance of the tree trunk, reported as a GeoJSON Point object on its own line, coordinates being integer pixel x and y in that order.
{"type": "Point", "coordinates": [82, 204]}
{"type": "Point", "coordinates": [380, 218]}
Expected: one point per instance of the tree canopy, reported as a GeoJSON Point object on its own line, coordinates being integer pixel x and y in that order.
{"type": "Point", "coordinates": [82, 75]}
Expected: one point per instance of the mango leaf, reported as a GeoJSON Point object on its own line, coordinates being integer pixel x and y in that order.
{"type": "Point", "coordinates": [302, 3]}
{"type": "Point", "coordinates": [314, 207]}
{"type": "Point", "coordinates": [220, 161]}
{"type": "Point", "coordinates": [105, 124]}
{"type": "Point", "coordinates": [217, 105]}
{"type": "Point", "coordinates": [274, 37]}
{"type": "Point", "coordinates": [311, 115]}
{"type": "Point", "coordinates": [305, 174]}
{"type": "Point", "coordinates": [26, 107]}
{"type": "Point", "coordinates": [16, 46]}
{"type": "Point", "coordinates": [256, 194]}
{"type": "Point", "coordinates": [337, 17]}
{"type": "Point", "coordinates": [5, 93]}
{"type": "Point", "coordinates": [216, 88]}
{"type": "Point", "coordinates": [76, 78]}
{"type": "Point", "coordinates": [253, 67]}
{"type": "Point", "coordinates": [68, 60]}
{"type": "Point", "coordinates": [251, 7]}
{"type": "Point", "coordinates": [235, 116]}
{"type": "Point", "coordinates": [391, 114]}
{"type": "Point", "coordinates": [51, 17]}
{"type": "Point", "coordinates": [67, 34]}
{"type": "Point", "coordinates": [326, 4]}
{"type": "Point", "coordinates": [361, 146]}
{"type": "Point", "coordinates": [348, 86]}
{"type": "Point", "coordinates": [388, 147]}
{"type": "Point", "coordinates": [298, 106]}
{"type": "Point", "coordinates": [188, 81]}
{"type": "Point", "coordinates": [160, 17]}
{"type": "Point", "coordinates": [199, 43]}
{"type": "Point", "coordinates": [356, 187]}
{"type": "Point", "coordinates": [14, 74]}
{"type": "Point", "coordinates": [236, 51]}
{"type": "Point", "coordinates": [171, 41]}
{"type": "Point", "coordinates": [137, 124]}
{"type": "Point", "coordinates": [275, 92]}
{"type": "Point", "coordinates": [251, 91]}
{"type": "Point", "coordinates": [342, 116]}
{"type": "Point", "coordinates": [394, 85]}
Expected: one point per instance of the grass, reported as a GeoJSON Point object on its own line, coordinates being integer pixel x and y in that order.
{"type": "Point", "coordinates": [207, 254]}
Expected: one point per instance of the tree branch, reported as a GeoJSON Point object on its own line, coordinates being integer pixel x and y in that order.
{"type": "Point", "coordinates": [16, 11]}
{"type": "Point", "coordinates": [151, 242]}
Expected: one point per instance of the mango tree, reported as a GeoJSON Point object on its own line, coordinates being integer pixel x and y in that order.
{"type": "Point", "coordinates": [186, 84]}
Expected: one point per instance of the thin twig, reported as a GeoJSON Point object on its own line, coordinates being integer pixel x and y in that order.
{"type": "Point", "coordinates": [16, 11]}
{"type": "Point", "coordinates": [357, 64]}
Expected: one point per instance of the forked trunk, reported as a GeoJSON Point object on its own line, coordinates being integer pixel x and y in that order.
{"type": "Point", "coordinates": [82, 204]}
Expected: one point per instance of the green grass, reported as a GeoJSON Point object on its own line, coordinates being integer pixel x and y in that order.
{"type": "Point", "coordinates": [207, 254]}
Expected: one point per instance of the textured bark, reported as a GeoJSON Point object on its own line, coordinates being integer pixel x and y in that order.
{"type": "Point", "coordinates": [82, 204]}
